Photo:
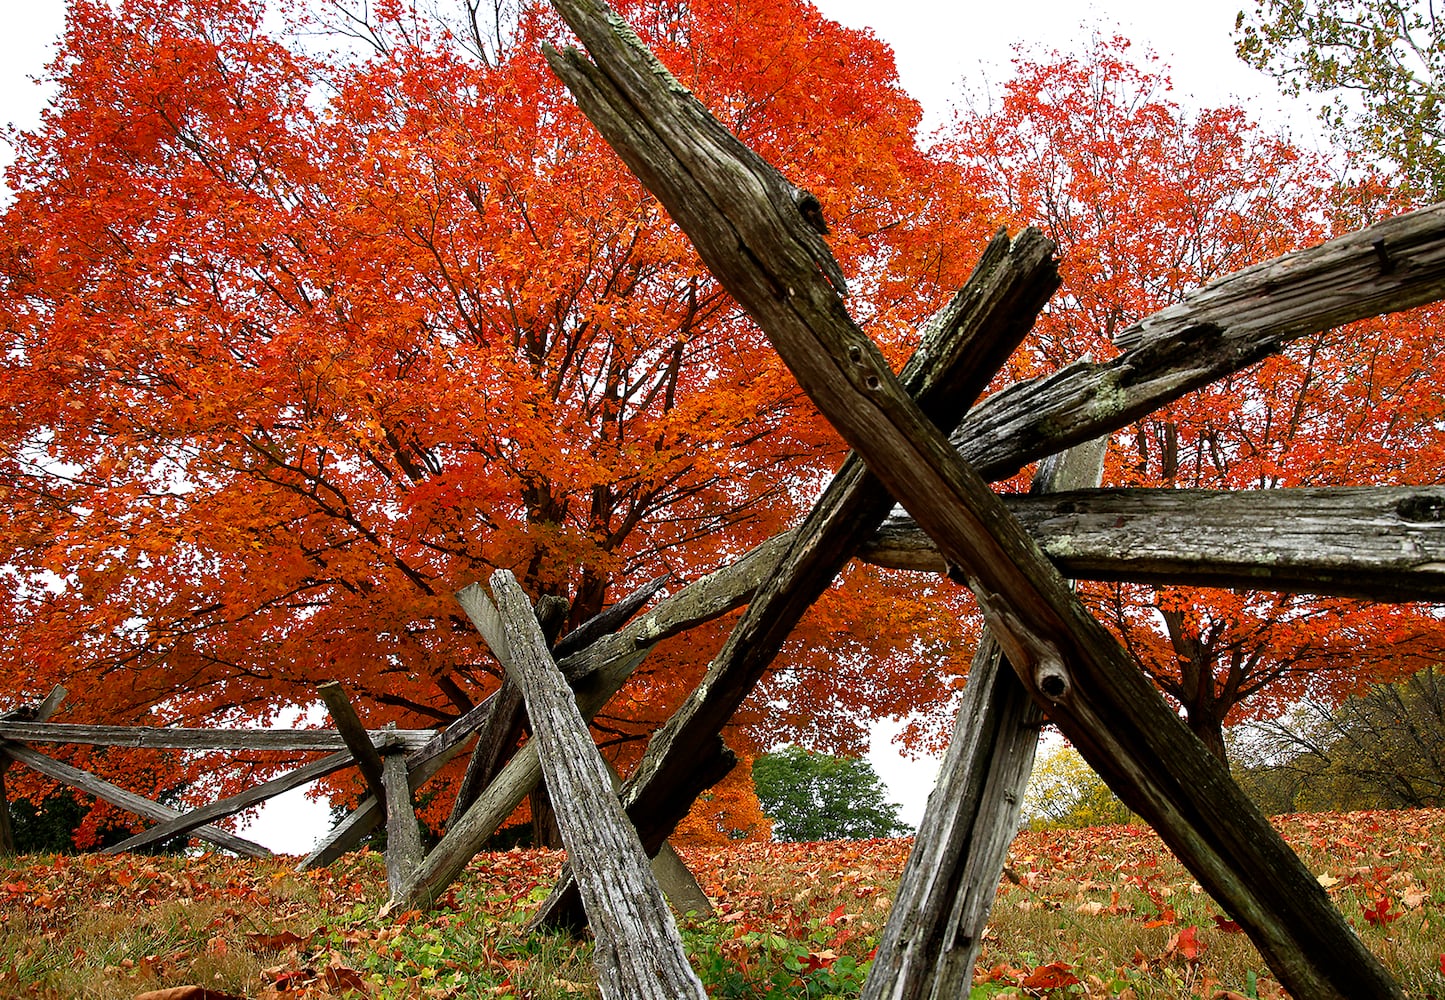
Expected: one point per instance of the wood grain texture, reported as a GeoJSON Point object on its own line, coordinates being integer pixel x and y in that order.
{"type": "Point", "coordinates": [748, 237]}
{"type": "Point", "coordinates": [403, 835]}
{"type": "Point", "coordinates": [142, 737]}
{"type": "Point", "coordinates": [1384, 543]}
{"type": "Point", "coordinates": [931, 942]}
{"type": "Point", "coordinates": [637, 948]}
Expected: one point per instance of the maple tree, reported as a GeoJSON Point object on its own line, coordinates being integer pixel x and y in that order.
{"type": "Point", "coordinates": [1148, 201]}
{"type": "Point", "coordinates": [299, 341]}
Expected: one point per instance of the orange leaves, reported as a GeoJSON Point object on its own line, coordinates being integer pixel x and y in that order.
{"type": "Point", "coordinates": [1053, 976]}
{"type": "Point", "coordinates": [322, 365]}
{"type": "Point", "coordinates": [1186, 945]}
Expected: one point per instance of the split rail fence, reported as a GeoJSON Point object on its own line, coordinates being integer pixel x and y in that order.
{"type": "Point", "coordinates": [925, 441]}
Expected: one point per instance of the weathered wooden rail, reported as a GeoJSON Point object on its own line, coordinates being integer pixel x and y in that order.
{"type": "Point", "coordinates": [746, 222]}
{"type": "Point", "coordinates": [31, 725]}
{"type": "Point", "coordinates": [759, 236]}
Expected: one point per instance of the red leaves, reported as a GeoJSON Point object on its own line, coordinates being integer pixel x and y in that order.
{"type": "Point", "coordinates": [380, 345]}
{"type": "Point", "coordinates": [1165, 917]}
{"type": "Point", "coordinates": [1186, 945]}
{"type": "Point", "coordinates": [257, 941]}
{"type": "Point", "coordinates": [1054, 975]}
{"type": "Point", "coordinates": [1380, 913]}
{"type": "Point", "coordinates": [1049, 977]}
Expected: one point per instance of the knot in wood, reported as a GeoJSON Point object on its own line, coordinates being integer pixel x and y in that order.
{"type": "Point", "coordinates": [1421, 507]}
{"type": "Point", "coordinates": [811, 210]}
{"type": "Point", "coordinates": [1051, 678]}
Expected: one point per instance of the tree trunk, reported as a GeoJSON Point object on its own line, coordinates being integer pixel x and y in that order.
{"type": "Point", "coordinates": [545, 831]}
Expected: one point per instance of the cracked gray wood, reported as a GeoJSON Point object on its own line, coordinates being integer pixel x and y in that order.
{"type": "Point", "coordinates": [960, 349]}
{"type": "Point", "coordinates": [142, 737]}
{"type": "Point", "coordinates": [403, 835]}
{"type": "Point", "coordinates": [930, 944]}
{"type": "Point", "coordinates": [637, 948]}
{"type": "Point", "coordinates": [752, 238]}
{"type": "Point", "coordinates": [1386, 543]}
{"type": "Point", "coordinates": [602, 667]}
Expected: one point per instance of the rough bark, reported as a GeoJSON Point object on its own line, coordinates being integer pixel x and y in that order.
{"type": "Point", "coordinates": [746, 224]}
{"type": "Point", "coordinates": [936, 925]}
{"type": "Point", "coordinates": [1386, 543]}
{"type": "Point", "coordinates": [637, 949]}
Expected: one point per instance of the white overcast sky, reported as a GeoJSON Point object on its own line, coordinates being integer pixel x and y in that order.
{"type": "Point", "coordinates": [942, 48]}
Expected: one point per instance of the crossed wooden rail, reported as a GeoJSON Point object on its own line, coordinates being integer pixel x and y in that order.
{"type": "Point", "coordinates": [757, 233]}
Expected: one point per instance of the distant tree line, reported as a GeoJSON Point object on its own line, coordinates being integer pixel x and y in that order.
{"type": "Point", "coordinates": [1384, 748]}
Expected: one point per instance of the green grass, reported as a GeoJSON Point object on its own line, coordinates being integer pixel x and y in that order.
{"type": "Point", "coordinates": [1103, 912]}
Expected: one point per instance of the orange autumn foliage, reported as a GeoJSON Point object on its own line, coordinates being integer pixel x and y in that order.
{"type": "Point", "coordinates": [1148, 201]}
{"type": "Point", "coordinates": [297, 342]}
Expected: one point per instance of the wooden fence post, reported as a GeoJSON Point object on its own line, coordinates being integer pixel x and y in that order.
{"type": "Point", "coordinates": [934, 930]}
{"type": "Point", "coordinates": [752, 229]}
{"type": "Point", "coordinates": [637, 948]}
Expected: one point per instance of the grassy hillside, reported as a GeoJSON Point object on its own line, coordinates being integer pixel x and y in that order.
{"type": "Point", "coordinates": [1103, 912]}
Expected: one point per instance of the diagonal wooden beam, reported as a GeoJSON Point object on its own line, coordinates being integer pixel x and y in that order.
{"type": "Point", "coordinates": [959, 351]}
{"type": "Point", "coordinates": [607, 663]}
{"type": "Point", "coordinates": [936, 925]}
{"type": "Point", "coordinates": [1219, 329]}
{"type": "Point", "coordinates": [639, 952]}
{"type": "Point", "coordinates": [748, 230]}
{"type": "Point", "coordinates": [186, 822]}
{"type": "Point", "coordinates": [355, 735]}
{"type": "Point", "coordinates": [602, 669]}
{"type": "Point", "coordinates": [127, 800]}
